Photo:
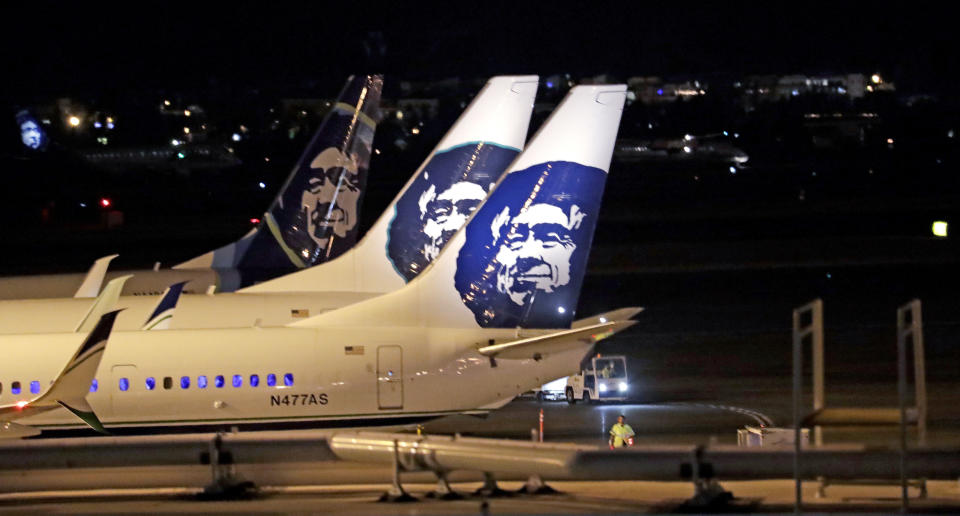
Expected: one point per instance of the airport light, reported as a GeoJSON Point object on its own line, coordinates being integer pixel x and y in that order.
{"type": "Point", "coordinates": [181, 155]}
{"type": "Point", "coordinates": [235, 137]}
{"type": "Point", "coordinates": [415, 130]}
{"type": "Point", "coordinates": [262, 185]}
{"type": "Point", "coordinates": [254, 220]}
{"type": "Point", "coordinates": [105, 203]}
{"type": "Point", "coordinates": [733, 170]}
{"type": "Point", "coordinates": [875, 78]}
{"type": "Point", "coordinates": [97, 125]}
{"type": "Point", "coordinates": [186, 112]}
{"type": "Point", "coordinates": [186, 130]}
{"type": "Point", "coordinates": [940, 229]}
{"type": "Point", "coordinates": [561, 309]}
{"type": "Point", "coordinates": [74, 121]}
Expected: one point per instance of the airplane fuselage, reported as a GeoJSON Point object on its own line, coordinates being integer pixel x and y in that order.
{"type": "Point", "coordinates": [320, 377]}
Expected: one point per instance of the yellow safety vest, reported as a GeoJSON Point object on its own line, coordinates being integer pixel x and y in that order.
{"type": "Point", "coordinates": [620, 433]}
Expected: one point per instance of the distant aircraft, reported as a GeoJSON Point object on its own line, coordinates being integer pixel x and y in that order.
{"type": "Point", "coordinates": [707, 149]}
{"type": "Point", "coordinates": [489, 319]}
{"type": "Point", "coordinates": [313, 218]}
{"type": "Point", "coordinates": [436, 201]}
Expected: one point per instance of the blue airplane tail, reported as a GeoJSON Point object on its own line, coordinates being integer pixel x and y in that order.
{"type": "Point", "coordinates": [32, 135]}
{"type": "Point", "coordinates": [520, 260]}
{"type": "Point", "coordinates": [315, 216]}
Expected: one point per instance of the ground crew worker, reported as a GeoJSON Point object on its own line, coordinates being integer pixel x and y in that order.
{"type": "Point", "coordinates": [620, 434]}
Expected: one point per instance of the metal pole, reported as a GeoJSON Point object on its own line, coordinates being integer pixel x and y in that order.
{"type": "Point", "coordinates": [819, 393]}
{"type": "Point", "coordinates": [902, 392]}
{"type": "Point", "coordinates": [797, 386]}
{"type": "Point", "coordinates": [919, 371]}
{"type": "Point", "coordinates": [541, 425]}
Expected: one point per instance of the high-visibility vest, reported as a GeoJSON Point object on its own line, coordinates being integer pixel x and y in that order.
{"type": "Point", "coordinates": [620, 434]}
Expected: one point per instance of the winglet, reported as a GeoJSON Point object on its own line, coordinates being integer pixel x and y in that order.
{"type": "Point", "coordinates": [71, 386]}
{"type": "Point", "coordinates": [163, 313]}
{"type": "Point", "coordinates": [94, 278]}
{"type": "Point", "coordinates": [104, 303]}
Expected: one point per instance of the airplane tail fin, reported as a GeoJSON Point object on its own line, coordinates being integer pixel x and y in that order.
{"type": "Point", "coordinates": [521, 258]}
{"type": "Point", "coordinates": [103, 304]}
{"type": "Point", "coordinates": [163, 312]}
{"type": "Point", "coordinates": [436, 201]}
{"type": "Point", "coordinates": [32, 134]}
{"type": "Point", "coordinates": [314, 216]}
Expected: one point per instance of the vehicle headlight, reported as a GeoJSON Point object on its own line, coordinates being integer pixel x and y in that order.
{"type": "Point", "coordinates": [603, 387]}
{"type": "Point", "coordinates": [623, 386]}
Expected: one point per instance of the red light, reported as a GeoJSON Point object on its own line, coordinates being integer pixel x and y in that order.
{"type": "Point", "coordinates": [21, 404]}
{"type": "Point", "coordinates": [104, 202]}
{"type": "Point", "coordinates": [254, 220]}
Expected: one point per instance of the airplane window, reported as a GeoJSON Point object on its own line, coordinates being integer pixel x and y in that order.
{"type": "Point", "coordinates": [15, 388]}
{"type": "Point", "coordinates": [254, 380]}
{"type": "Point", "coordinates": [288, 379]}
{"type": "Point", "coordinates": [167, 382]}
{"type": "Point", "coordinates": [218, 381]}
{"type": "Point", "coordinates": [184, 382]}
{"type": "Point", "coordinates": [202, 382]}
{"type": "Point", "coordinates": [35, 387]}
{"type": "Point", "coordinates": [237, 380]}
{"type": "Point", "coordinates": [94, 385]}
{"type": "Point", "coordinates": [151, 383]}
{"type": "Point", "coordinates": [271, 379]}
{"type": "Point", "coordinates": [124, 384]}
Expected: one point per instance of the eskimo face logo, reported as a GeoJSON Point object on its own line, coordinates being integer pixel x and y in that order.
{"type": "Point", "coordinates": [534, 249]}
{"type": "Point", "coordinates": [443, 214]}
{"type": "Point", "coordinates": [525, 250]}
{"type": "Point", "coordinates": [440, 200]}
{"type": "Point", "coordinates": [332, 195]}
{"type": "Point", "coordinates": [30, 134]}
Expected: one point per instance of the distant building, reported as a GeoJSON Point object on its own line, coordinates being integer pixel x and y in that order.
{"type": "Point", "coordinates": [652, 90]}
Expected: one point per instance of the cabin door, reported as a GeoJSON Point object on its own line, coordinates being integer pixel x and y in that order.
{"type": "Point", "coordinates": [390, 377]}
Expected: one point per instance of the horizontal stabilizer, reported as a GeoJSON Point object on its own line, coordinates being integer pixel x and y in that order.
{"type": "Point", "coordinates": [555, 342]}
{"type": "Point", "coordinates": [94, 278]}
{"type": "Point", "coordinates": [620, 314]}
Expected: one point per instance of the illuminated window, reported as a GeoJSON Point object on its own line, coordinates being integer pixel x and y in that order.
{"type": "Point", "coordinates": [218, 381]}
{"type": "Point", "coordinates": [35, 387]}
{"type": "Point", "coordinates": [254, 380]}
{"type": "Point", "coordinates": [271, 379]}
{"type": "Point", "coordinates": [167, 382]}
{"type": "Point", "coordinates": [150, 382]}
{"type": "Point", "coordinates": [202, 381]}
{"type": "Point", "coordinates": [124, 384]}
{"type": "Point", "coordinates": [184, 382]}
{"type": "Point", "coordinates": [237, 380]}
{"type": "Point", "coordinates": [288, 379]}
{"type": "Point", "coordinates": [15, 388]}
{"type": "Point", "coordinates": [94, 385]}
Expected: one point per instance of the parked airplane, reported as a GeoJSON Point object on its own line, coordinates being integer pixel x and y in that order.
{"type": "Point", "coordinates": [436, 201]}
{"type": "Point", "coordinates": [489, 319]}
{"type": "Point", "coordinates": [313, 219]}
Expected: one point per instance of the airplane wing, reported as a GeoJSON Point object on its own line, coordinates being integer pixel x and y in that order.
{"type": "Point", "coordinates": [94, 278]}
{"type": "Point", "coordinates": [69, 389]}
{"type": "Point", "coordinates": [163, 313]}
{"type": "Point", "coordinates": [104, 303]}
{"type": "Point", "coordinates": [555, 342]}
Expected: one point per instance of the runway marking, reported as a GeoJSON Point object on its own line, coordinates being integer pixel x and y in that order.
{"type": "Point", "coordinates": [759, 417]}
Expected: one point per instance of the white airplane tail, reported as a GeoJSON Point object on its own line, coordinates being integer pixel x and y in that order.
{"type": "Point", "coordinates": [521, 258]}
{"type": "Point", "coordinates": [453, 180]}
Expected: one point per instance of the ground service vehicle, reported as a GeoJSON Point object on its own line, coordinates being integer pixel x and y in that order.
{"type": "Point", "coordinates": [605, 380]}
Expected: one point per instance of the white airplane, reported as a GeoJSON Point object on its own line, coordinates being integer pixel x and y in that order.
{"type": "Point", "coordinates": [435, 202]}
{"type": "Point", "coordinates": [489, 319]}
{"type": "Point", "coordinates": [313, 219]}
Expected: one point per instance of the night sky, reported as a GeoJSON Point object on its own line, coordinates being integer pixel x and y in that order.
{"type": "Point", "coordinates": [55, 49]}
